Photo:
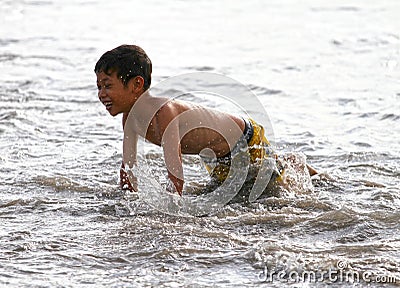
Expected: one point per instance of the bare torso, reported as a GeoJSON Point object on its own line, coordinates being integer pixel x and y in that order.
{"type": "Point", "coordinates": [199, 127]}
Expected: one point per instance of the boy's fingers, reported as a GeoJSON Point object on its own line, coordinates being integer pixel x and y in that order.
{"type": "Point", "coordinates": [125, 183]}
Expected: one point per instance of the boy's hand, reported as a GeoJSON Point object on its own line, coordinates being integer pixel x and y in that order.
{"type": "Point", "coordinates": [124, 180]}
{"type": "Point", "coordinates": [178, 183]}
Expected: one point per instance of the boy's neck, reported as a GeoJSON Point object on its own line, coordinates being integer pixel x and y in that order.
{"type": "Point", "coordinates": [137, 97]}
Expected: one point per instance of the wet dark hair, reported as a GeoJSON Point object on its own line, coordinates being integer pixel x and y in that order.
{"type": "Point", "coordinates": [128, 61]}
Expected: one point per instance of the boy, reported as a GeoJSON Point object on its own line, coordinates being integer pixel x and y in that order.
{"type": "Point", "coordinates": [123, 79]}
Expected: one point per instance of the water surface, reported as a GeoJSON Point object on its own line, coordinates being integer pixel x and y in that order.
{"type": "Point", "coordinates": [328, 75]}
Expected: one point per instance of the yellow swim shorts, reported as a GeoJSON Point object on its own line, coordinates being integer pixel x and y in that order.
{"type": "Point", "coordinates": [258, 149]}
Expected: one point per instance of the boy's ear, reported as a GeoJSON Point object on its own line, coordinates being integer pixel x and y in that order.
{"type": "Point", "coordinates": [137, 84]}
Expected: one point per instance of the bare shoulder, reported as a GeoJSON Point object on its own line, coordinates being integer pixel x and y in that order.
{"type": "Point", "coordinates": [191, 112]}
{"type": "Point", "coordinates": [167, 111]}
{"type": "Point", "coordinates": [172, 107]}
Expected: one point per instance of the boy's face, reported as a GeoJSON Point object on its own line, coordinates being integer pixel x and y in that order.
{"type": "Point", "coordinates": [113, 94]}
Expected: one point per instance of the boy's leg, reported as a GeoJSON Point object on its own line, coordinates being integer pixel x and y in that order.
{"type": "Point", "coordinates": [311, 170]}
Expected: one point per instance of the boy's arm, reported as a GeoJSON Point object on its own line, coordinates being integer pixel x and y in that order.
{"type": "Point", "coordinates": [173, 160]}
{"type": "Point", "coordinates": [129, 154]}
{"type": "Point", "coordinates": [172, 149]}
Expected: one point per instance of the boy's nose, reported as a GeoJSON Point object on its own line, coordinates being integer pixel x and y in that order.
{"type": "Point", "coordinates": [101, 93]}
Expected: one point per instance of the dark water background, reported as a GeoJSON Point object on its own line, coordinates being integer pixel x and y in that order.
{"type": "Point", "coordinates": [326, 72]}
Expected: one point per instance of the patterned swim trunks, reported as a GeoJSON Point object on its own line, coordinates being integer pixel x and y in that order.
{"type": "Point", "coordinates": [258, 148]}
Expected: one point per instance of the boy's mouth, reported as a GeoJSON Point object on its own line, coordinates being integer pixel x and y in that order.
{"type": "Point", "coordinates": [108, 105]}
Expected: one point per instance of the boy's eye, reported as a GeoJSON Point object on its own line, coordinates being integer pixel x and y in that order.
{"type": "Point", "coordinates": [106, 86]}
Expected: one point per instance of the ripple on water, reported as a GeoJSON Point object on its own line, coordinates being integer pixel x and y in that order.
{"type": "Point", "coordinates": [64, 219]}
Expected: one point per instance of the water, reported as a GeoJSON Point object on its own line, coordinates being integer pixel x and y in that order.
{"type": "Point", "coordinates": [328, 75]}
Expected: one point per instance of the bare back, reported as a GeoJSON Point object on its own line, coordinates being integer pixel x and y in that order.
{"type": "Point", "coordinates": [199, 127]}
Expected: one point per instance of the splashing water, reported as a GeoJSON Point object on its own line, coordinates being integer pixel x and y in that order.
{"type": "Point", "coordinates": [296, 178]}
